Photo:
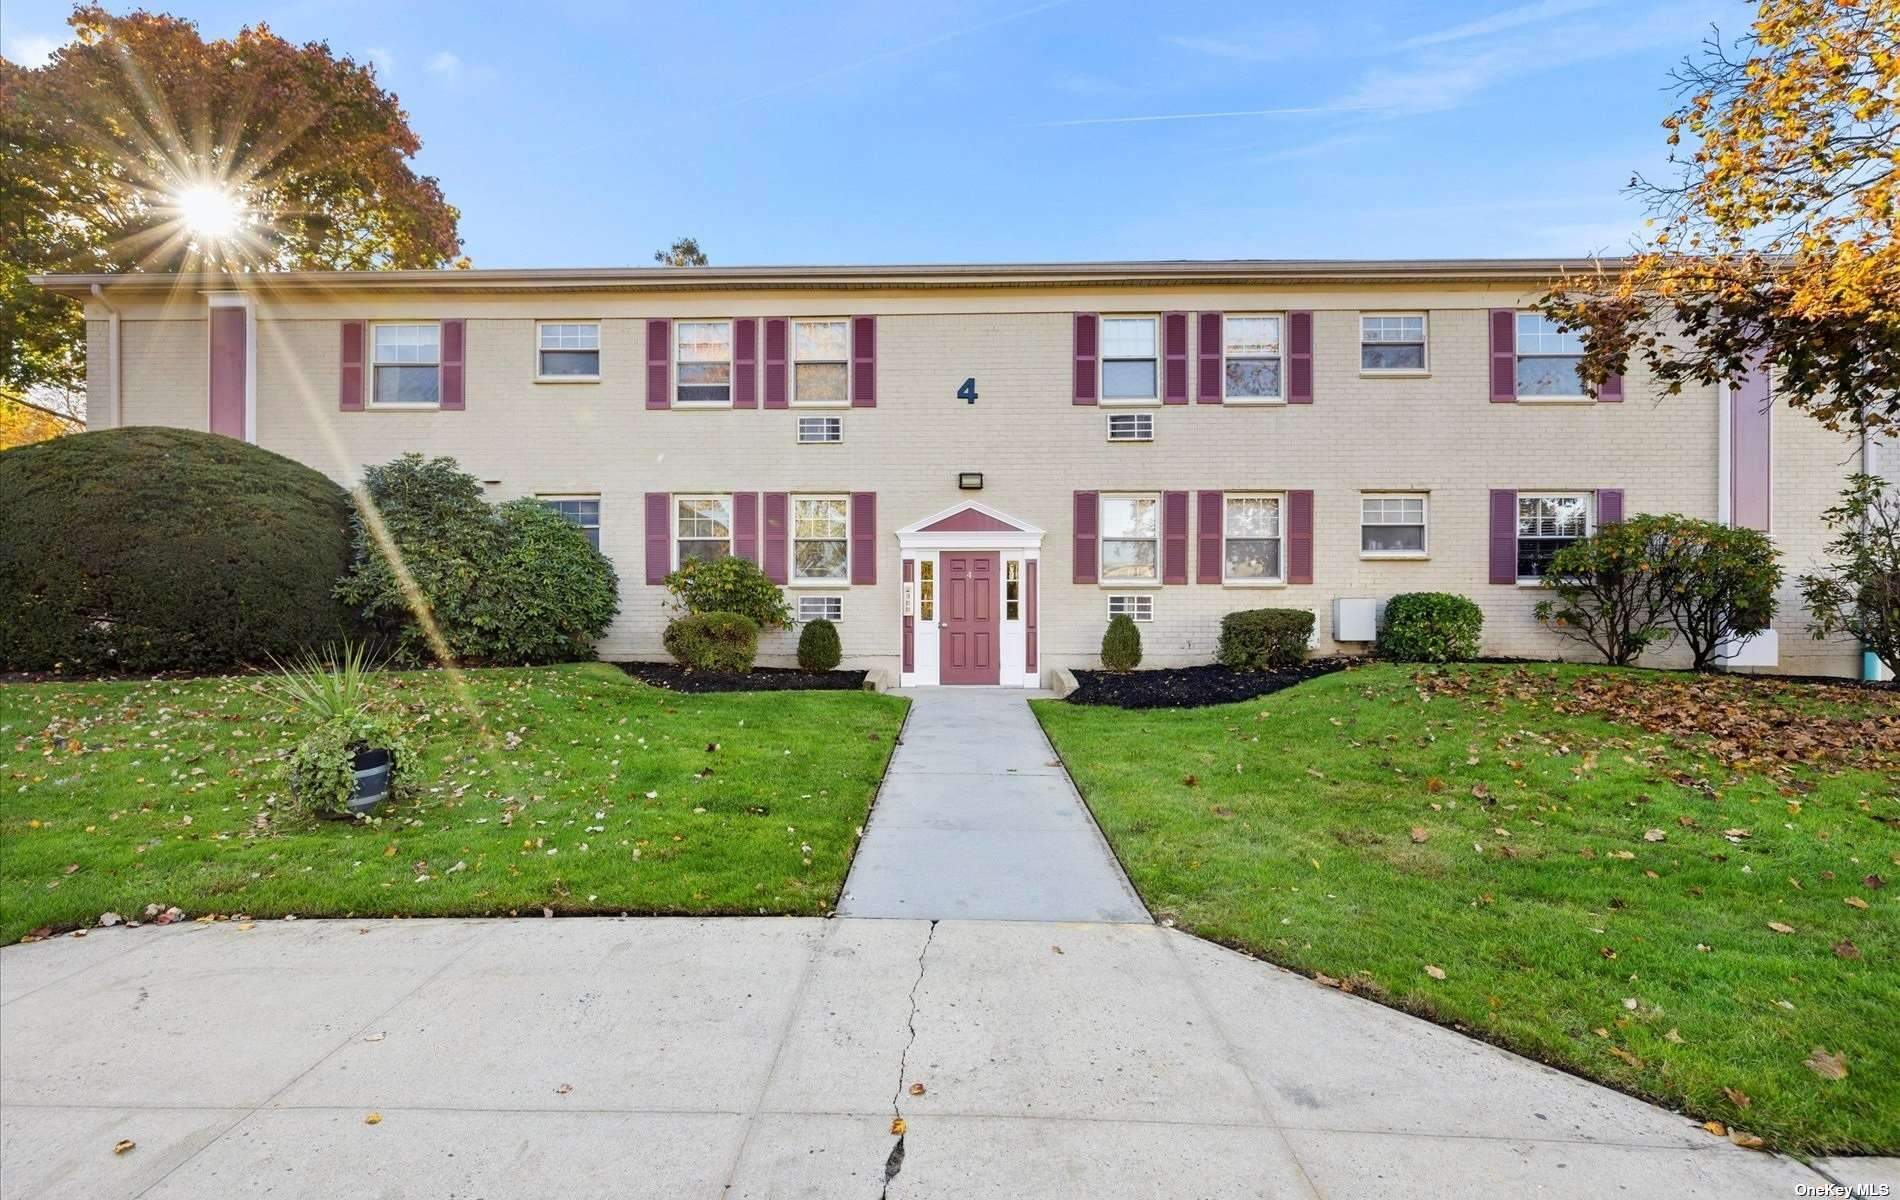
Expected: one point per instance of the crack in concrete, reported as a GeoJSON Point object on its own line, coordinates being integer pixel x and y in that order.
{"type": "Point", "coordinates": [895, 1162]}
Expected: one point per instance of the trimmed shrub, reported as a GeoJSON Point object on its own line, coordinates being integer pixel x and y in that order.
{"type": "Point", "coordinates": [1712, 580]}
{"type": "Point", "coordinates": [148, 549]}
{"type": "Point", "coordinates": [1431, 627]}
{"type": "Point", "coordinates": [818, 646]}
{"type": "Point", "coordinates": [1606, 594]}
{"type": "Point", "coordinates": [1121, 645]}
{"type": "Point", "coordinates": [730, 584]}
{"type": "Point", "coordinates": [549, 595]}
{"type": "Point", "coordinates": [714, 641]}
{"type": "Point", "coordinates": [1265, 639]}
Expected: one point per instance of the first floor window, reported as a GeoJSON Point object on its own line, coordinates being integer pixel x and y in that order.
{"type": "Point", "coordinates": [926, 589]}
{"type": "Point", "coordinates": [820, 537]}
{"type": "Point", "coordinates": [821, 356]}
{"type": "Point", "coordinates": [1131, 538]}
{"type": "Point", "coordinates": [568, 350]}
{"type": "Point", "coordinates": [1136, 607]}
{"type": "Point", "coordinates": [1392, 524]}
{"type": "Point", "coordinates": [1546, 524]}
{"type": "Point", "coordinates": [1251, 350]}
{"type": "Point", "coordinates": [703, 528]}
{"type": "Point", "coordinates": [583, 511]}
{"type": "Point", "coordinates": [1392, 343]}
{"type": "Point", "coordinates": [1251, 542]}
{"type": "Point", "coordinates": [408, 365]}
{"type": "Point", "coordinates": [1547, 357]}
{"type": "Point", "coordinates": [704, 368]}
{"type": "Point", "coordinates": [821, 608]}
{"type": "Point", "coordinates": [1012, 590]}
{"type": "Point", "coordinates": [1128, 358]}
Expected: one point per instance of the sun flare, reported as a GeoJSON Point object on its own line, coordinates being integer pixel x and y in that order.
{"type": "Point", "coordinates": [209, 210]}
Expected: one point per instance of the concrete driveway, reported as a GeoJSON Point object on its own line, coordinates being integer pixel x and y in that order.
{"type": "Point", "coordinates": [766, 1057]}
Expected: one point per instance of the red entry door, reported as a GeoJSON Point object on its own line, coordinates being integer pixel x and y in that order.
{"type": "Point", "coordinates": [970, 641]}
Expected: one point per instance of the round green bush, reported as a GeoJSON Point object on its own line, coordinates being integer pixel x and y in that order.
{"type": "Point", "coordinates": [1431, 627]}
{"type": "Point", "coordinates": [714, 641]}
{"type": "Point", "coordinates": [818, 646]}
{"type": "Point", "coordinates": [1264, 639]}
{"type": "Point", "coordinates": [730, 584]}
{"type": "Point", "coordinates": [146, 549]}
{"type": "Point", "coordinates": [1121, 645]}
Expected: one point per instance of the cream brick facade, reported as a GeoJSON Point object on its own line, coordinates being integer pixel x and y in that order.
{"type": "Point", "coordinates": [1436, 433]}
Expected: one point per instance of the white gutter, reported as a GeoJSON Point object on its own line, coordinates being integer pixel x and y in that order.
{"type": "Point", "coordinates": [113, 374]}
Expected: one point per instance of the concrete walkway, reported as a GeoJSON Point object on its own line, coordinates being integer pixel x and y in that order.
{"type": "Point", "coordinates": [977, 820]}
{"type": "Point", "coordinates": [765, 1057]}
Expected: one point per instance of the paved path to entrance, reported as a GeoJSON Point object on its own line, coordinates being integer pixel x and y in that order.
{"type": "Point", "coordinates": [977, 820]}
{"type": "Point", "coordinates": [765, 1057]}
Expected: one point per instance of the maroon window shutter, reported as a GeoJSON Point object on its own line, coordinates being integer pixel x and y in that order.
{"type": "Point", "coordinates": [1299, 358]}
{"type": "Point", "coordinates": [1174, 356]}
{"type": "Point", "coordinates": [1174, 535]}
{"type": "Point", "coordinates": [1086, 521]}
{"type": "Point", "coordinates": [745, 526]}
{"type": "Point", "coordinates": [454, 364]}
{"type": "Point", "coordinates": [659, 536]}
{"type": "Point", "coordinates": [1609, 506]}
{"type": "Point", "coordinates": [1212, 520]}
{"type": "Point", "coordinates": [1612, 390]}
{"type": "Point", "coordinates": [776, 506]}
{"type": "Point", "coordinates": [745, 363]}
{"type": "Point", "coordinates": [863, 537]}
{"type": "Point", "coordinates": [909, 630]}
{"type": "Point", "coordinates": [1503, 532]}
{"type": "Point", "coordinates": [1087, 329]}
{"type": "Point", "coordinates": [1299, 537]}
{"type": "Point", "coordinates": [1212, 345]}
{"type": "Point", "coordinates": [863, 362]}
{"type": "Point", "coordinates": [659, 363]}
{"type": "Point", "coordinates": [349, 395]}
{"type": "Point", "coordinates": [1504, 385]}
{"type": "Point", "coordinates": [775, 333]}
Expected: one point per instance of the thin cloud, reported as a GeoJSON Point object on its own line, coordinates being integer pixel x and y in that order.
{"type": "Point", "coordinates": [1510, 18]}
{"type": "Point", "coordinates": [30, 50]}
{"type": "Point", "coordinates": [1269, 44]}
{"type": "Point", "coordinates": [445, 62]}
{"type": "Point", "coordinates": [384, 61]}
{"type": "Point", "coordinates": [1147, 118]}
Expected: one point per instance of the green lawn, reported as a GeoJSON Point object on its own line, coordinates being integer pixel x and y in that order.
{"type": "Point", "coordinates": [573, 788]}
{"type": "Point", "coordinates": [1596, 896]}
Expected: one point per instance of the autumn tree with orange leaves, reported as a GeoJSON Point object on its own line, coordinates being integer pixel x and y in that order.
{"type": "Point", "coordinates": [136, 112]}
{"type": "Point", "coordinates": [1774, 242]}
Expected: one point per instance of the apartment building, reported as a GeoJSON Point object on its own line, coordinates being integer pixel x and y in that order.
{"type": "Point", "coordinates": [971, 468]}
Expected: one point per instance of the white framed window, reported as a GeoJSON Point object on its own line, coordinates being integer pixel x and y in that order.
{"type": "Point", "coordinates": [702, 528]}
{"type": "Point", "coordinates": [1252, 351]}
{"type": "Point", "coordinates": [1392, 525]}
{"type": "Point", "coordinates": [815, 430]}
{"type": "Point", "coordinates": [567, 351]}
{"type": "Point", "coordinates": [1136, 606]}
{"type": "Point", "coordinates": [1131, 539]}
{"type": "Point", "coordinates": [583, 511]}
{"type": "Point", "coordinates": [821, 608]}
{"type": "Point", "coordinates": [1012, 590]}
{"type": "Point", "coordinates": [1547, 358]}
{"type": "Point", "coordinates": [702, 358]}
{"type": "Point", "coordinates": [1252, 548]}
{"type": "Point", "coordinates": [926, 589]}
{"type": "Point", "coordinates": [1392, 343]}
{"type": "Point", "coordinates": [407, 361]}
{"type": "Point", "coordinates": [1130, 364]}
{"type": "Point", "coordinates": [1131, 427]}
{"type": "Point", "coordinates": [1546, 523]}
{"type": "Point", "coordinates": [821, 361]}
{"type": "Point", "coordinates": [821, 539]}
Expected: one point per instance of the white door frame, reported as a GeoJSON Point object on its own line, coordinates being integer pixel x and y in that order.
{"type": "Point", "coordinates": [921, 543]}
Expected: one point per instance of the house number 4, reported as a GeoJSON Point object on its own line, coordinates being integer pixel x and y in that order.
{"type": "Point", "coordinates": [967, 392]}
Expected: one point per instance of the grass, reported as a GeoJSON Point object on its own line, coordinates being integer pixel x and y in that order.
{"type": "Point", "coordinates": [1571, 878]}
{"type": "Point", "coordinates": [571, 788]}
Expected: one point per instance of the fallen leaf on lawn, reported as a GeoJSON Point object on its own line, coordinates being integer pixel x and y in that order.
{"type": "Point", "coordinates": [1325, 980]}
{"type": "Point", "coordinates": [1854, 902]}
{"type": "Point", "coordinates": [123, 1145]}
{"type": "Point", "coordinates": [1874, 882]}
{"type": "Point", "coordinates": [1434, 971]}
{"type": "Point", "coordinates": [1434, 784]}
{"type": "Point", "coordinates": [897, 1127]}
{"type": "Point", "coordinates": [72, 868]}
{"type": "Point", "coordinates": [1716, 1128]}
{"type": "Point", "coordinates": [1629, 1002]}
{"type": "Point", "coordinates": [1654, 835]}
{"type": "Point", "coordinates": [373, 1119]}
{"type": "Point", "coordinates": [1746, 1141]}
{"type": "Point", "coordinates": [1674, 1036]}
{"type": "Point", "coordinates": [1846, 949]}
{"type": "Point", "coordinates": [1622, 854]}
{"type": "Point", "coordinates": [1419, 834]}
{"type": "Point", "coordinates": [1601, 1032]}
{"type": "Point", "coordinates": [1627, 1057]}
{"type": "Point", "coordinates": [1738, 1099]}
{"type": "Point", "coordinates": [1827, 1066]}
{"type": "Point", "coordinates": [916, 1089]}
{"type": "Point", "coordinates": [1778, 927]}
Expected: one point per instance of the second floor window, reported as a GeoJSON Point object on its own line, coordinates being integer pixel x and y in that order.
{"type": "Point", "coordinates": [408, 365]}
{"type": "Point", "coordinates": [821, 362]}
{"type": "Point", "coordinates": [1392, 343]}
{"type": "Point", "coordinates": [568, 350]}
{"type": "Point", "coordinates": [820, 537]}
{"type": "Point", "coordinates": [1131, 538]}
{"type": "Point", "coordinates": [1251, 350]}
{"type": "Point", "coordinates": [1128, 358]}
{"type": "Point", "coordinates": [1547, 357]}
{"type": "Point", "coordinates": [703, 374]}
{"type": "Point", "coordinates": [703, 527]}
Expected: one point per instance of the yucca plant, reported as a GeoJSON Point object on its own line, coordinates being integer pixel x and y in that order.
{"type": "Point", "coordinates": [328, 685]}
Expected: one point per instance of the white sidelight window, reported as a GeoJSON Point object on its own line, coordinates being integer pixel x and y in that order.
{"type": "Point", "coordinates": [1137, 606]}
{"type": "Point", "coordinates": [1547, 358]}
{"type": "Point", "coordinates": [702, 362]}
{"type": "Point", "coordinates": [821, 361]}
{"type": "Point", "coordinates": [1129, 371]}
{"type": "Point", "coordinates": [408, 365]}
{"type": "Point", "coordinates": [1131, 539]}
{"type": "Point", "coordinates": [582, 511]}
{"type": "Point", "coordinates": [702, 528]}
{"type": "Point", "coordinates": [1251, 540]}
{"type": "Point", "coordinates": [821, 538]}
{"type": "Point", "coordinates": [567, 351]}
{"type": "Point", "coordinates": [1392, 525]}
{"type": "Point", "coordinates": [1546, 523]}
{"type": "Point", "coordinates": [1394, 342]}
{"type": "Point", "coordinates": [1012, 590]}
{"type": "Point", "coordinates": [1251, 348]}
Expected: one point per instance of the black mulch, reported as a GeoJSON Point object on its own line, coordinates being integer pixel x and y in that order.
{"type": "Point", "coordinates": [676, 678]}
{"type": "Point", "coordinates": [1192, 687]}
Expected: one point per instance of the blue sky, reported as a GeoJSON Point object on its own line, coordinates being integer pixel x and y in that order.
{"type": "Point", "coordinates": [582, 134]}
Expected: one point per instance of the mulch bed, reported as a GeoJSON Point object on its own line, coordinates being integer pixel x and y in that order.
{"type": "Point", "coordinates": [676, 678]}
{"type": "Point", "coordinates": [1192, 687]}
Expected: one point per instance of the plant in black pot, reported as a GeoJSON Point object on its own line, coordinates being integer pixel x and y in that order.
{"type": "Point", "coordinates": [349, 762]}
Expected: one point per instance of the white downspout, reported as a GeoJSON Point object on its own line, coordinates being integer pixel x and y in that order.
{"type": "Point", "coordinates": [1870, 665]}
{"type": "Point", "coordinates": [113, 372]}
{"type": "Point", "coordinates": [1725, 452]}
